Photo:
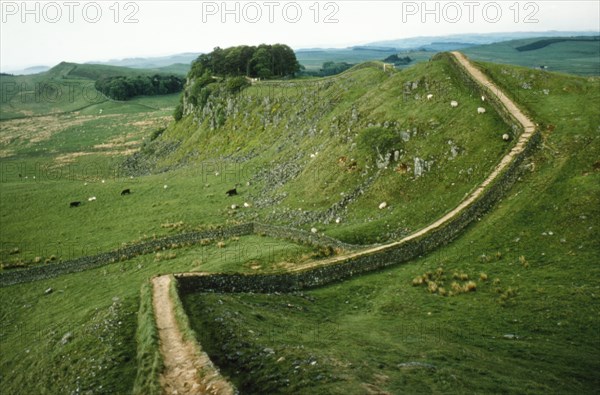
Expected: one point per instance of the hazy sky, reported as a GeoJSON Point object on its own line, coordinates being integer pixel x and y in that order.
{"type": "Point", "coordinates": [45, 33]}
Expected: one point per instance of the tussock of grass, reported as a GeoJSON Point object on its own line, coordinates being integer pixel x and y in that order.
{"type": "Point", "coordinates": [149, 359]}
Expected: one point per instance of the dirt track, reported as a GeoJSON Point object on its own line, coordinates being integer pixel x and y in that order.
{"type": "Point", "coordinates": [181, 359]}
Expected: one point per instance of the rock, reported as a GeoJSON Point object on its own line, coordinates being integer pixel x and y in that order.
{"type": "Point", "coordinates": [269, 350]}
{"type": "Point", "coordinates": [405, 136]}
{"type": "Point", "coordinates": [396, 155]}
{"type": "Point", "coordinates": [382, 205]}
{"type": "Point", "coordinates": [67, 337]}
{"type": "Point", "coordinates": [419, 167]}
{"type": "Point", "coordinates": [48, 291]}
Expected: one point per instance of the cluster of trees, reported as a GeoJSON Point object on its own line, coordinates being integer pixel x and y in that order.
{"type": "Point", "coordinates": [397, 60]}
{"type": "Point", "coordinates": [126, 87]}
{"type": "Point", "coordinates": [329, 68]}
{"type": "Point", "coordinates": [264, 61]}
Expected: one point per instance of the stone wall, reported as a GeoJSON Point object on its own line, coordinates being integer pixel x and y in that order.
{"type": "Point", "coordinates": [225, 283]}
{"type": "Point", "coordinates": [393, 255]}
{"type": "Point", "coordinates": [127, 252]}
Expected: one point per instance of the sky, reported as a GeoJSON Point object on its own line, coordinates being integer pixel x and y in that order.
{"type": "Point", "coordinates": [48, 32]}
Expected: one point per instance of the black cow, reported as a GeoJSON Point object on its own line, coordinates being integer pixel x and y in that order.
{"type": "Point", "coordinates": [231, 192]}
{"type": "Point", "coordinates": [125, 192]}
{"type": "Point", "coordinates": [74, 204]}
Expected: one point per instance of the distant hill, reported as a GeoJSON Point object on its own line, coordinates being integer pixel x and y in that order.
{"type": "Point", "coordinates": [455, 41]}
{"type": "Point", "coordinates": [573, 55]}
{"type": "Point", "coordinates": [153, 62]}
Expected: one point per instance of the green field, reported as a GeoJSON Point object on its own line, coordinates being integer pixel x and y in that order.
{"type": "Point", "coordinates": [531, 326]}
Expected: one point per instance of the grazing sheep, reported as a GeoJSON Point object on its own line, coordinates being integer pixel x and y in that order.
{"type": "Point", "coordinates": [383, 205]}
{"type": "Point", "coordinates": [246, 204]}
{"type": "Point", "coordinates": [480, 110]}
{"type": "Point", "coordinates": [125, 192]}
{"type": "Point", "coordinates": [165, 186]}
{"type": "Point", "coordinates": [234, 206]}
{"type": "Point", "coordinates": [429, 96]}
{"type": "Point", "coordinates": [454, 103]}
{"type": "Point", "coordinates": [231, 192]}
{"type": "Point", "coordinates": [313, 230]}
{"type": "Point", "coordinates": [338, 220]}
{"type": "Point", "coordinates": [482, 98]}
{"type": "Point", "coordinates": [74, 204]}
{"type": "Point", "coordinates": [505, 137]}
{"type": "Point", "coordinates": [91, 198]}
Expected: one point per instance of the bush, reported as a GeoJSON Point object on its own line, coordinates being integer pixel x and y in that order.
{"type": "Point", "coordinates": [236, 84]}
{"type": "Point", "coordinates": [380, 139]}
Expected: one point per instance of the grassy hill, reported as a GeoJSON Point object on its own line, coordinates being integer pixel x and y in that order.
{"type": "Point", "coordinates": [530, 327]}
{"type": "Point", "coordinates": [67, 87]}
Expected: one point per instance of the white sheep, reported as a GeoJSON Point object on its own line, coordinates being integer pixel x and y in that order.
{"type": "Point", "coordinates": [454, 103]}
{"type": "Point", "coordinates": [91, 198]}
{"type": "Point", "coordinates": [505, 137]}
{"type": "Point", "coordinates": [165, 186]}
{"type": "Point", "coordinates": [383, 205]}
{"type": "Point", "coordinates": [313, 230]}
{"type": "Point", "coordinates": [338, 220]}
{"type": "Point", "coordinates": [480, 110]}
{"type": "Point", "coordinates": [234, 206]}
{"type": "Point", "coordinates": [482, 98]}
{"type": "Point", "coordinates": [246, 204]}
{"type": "Point", "coordinates": [429, 96]}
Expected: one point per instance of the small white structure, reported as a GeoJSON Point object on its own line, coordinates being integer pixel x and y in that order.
{"type": "Point", "coordinates": [505, 137]}
{"type": "Point", "coordinates": [429, 96]}
{"type": "Point", "coordinates": [383, 205]}
{"type": "Point", "coordinates": [480, 110]}
{"type": "Point", "coordinates": [313, 230]}
{"type": "Point", "coordinates": [453, 104]}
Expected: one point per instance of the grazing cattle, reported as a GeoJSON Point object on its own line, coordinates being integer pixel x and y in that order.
{"type": "Point", "coordinates": [231, 192]}
{"type": "Point", "coordinates": [480, 110]}
{"type": "Point", "coordinates": [454, 103]}
{"type": "Point", "coordinates": [74, 204]}
{"type": "Point", "coordinates": [126, 192]}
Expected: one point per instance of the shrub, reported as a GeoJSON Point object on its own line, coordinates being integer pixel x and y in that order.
{"type": "Point", "coordinates": [377, 138]}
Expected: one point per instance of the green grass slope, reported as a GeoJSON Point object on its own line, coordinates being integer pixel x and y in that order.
{"type": "Point", "coordinates": [528, 323]}
{"type": "Point", "coordinates": [300, 145]}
